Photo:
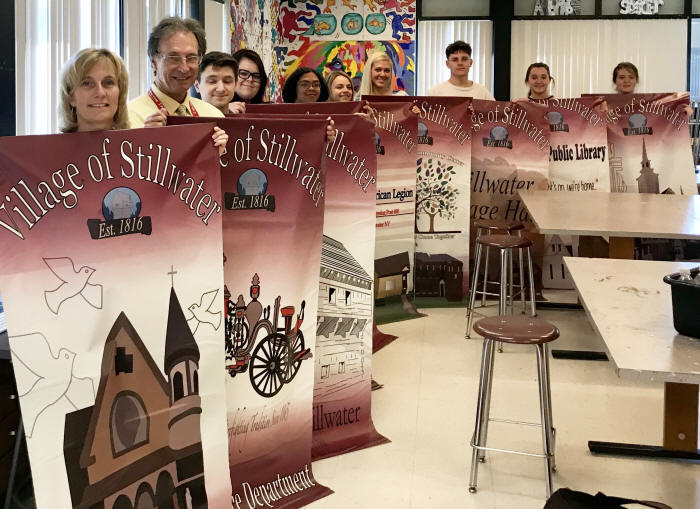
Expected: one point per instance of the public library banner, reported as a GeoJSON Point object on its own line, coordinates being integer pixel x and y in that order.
{"type": "Point", "coordinates": [395, 143]}
{"type": "Point", "coordinates": [112, 286]}
{"type": "Point", "coordinates": [578, 162]}
{"type": "Point", "coordinates": [273, 186]}
{"type": "Point", "coordinates": [510, 153]}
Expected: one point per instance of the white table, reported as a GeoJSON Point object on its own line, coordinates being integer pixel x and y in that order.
{"type": "Point", "coordinates": [629, 306]}
{"type": "Point", "coordinates": [621, 216]}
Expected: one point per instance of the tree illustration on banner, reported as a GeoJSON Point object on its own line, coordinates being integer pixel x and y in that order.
{"type": "Point", "coordinates": [435, 195]}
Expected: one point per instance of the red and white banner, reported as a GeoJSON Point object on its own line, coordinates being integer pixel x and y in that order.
{"type": "Point", "coordinates": [395, 142]}
{"type": "Point", "coordinates": [112, 286]}
{"type": "Point", "coordinates": [273, 183]}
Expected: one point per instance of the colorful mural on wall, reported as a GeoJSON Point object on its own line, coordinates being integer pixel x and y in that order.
{"type": "Point", "coordinates": [326, 35]}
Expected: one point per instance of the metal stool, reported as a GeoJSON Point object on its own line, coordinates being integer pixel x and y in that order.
{"type": "Point", "coordinates": [493, 227]}
{"type": "Point", "coordinates": [519, 330]}
{"type": "Point", "coordinates": [506, 244]}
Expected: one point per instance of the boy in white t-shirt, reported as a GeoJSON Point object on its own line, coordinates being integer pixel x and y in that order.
{"type": "Point", "coordinates": [459, 61]}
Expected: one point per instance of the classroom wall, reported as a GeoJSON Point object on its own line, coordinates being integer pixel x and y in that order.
{"type": "Point", "coordinates": [327, 35]}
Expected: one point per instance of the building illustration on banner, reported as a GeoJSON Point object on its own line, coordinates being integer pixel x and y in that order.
{"type": "Point", "coordinates": [344, 317]}
{"type": "Point", "coordinates": [617, 178]}
{"type": "Point", "coordinates": [273, 361]}
{"type": "Point", "coordinates": [648, 180]}
{"type": "Point", "coordinates": [139, 445]}
{"type": "Point", "coordinates": [439, 275]}
{"type": "Point", "coordinates": [554, 273]}
{"type": "Point", "coordinates": [391, 275]}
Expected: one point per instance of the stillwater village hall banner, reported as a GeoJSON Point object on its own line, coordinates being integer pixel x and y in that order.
{"type": "Point", "coordinates": [510, 153]}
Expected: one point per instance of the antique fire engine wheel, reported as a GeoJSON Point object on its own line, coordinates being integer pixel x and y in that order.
{"type": "Point", "coordinates": [266, 365]}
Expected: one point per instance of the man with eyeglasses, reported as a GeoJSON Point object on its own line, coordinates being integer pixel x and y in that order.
{"type": "Point", "coordinates": [175, 47]}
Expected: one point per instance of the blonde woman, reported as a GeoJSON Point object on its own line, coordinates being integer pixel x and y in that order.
{"type": "Point", "coordinates": [94, 83]}
{"type": "Point", "coordinates": [339, 87]}
{"type": "Point", "coordinates": [378, 77]}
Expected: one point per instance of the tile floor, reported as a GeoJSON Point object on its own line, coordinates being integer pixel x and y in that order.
{"type": "Point", "coordinates": [427, 407]}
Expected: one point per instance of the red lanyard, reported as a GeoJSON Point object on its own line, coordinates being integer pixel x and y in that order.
{"type": "Point", "coordinates": [160, 105]}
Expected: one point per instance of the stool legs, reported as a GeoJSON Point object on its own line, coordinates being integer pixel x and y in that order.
{"type": "Point", "coordinates": [533, 311]}
{"type": "Point", "coordinates": [546, 415]}
{"type": "Point", "coordinates": [482, 410]}
{"type": "Point", "coordinates": [472, 290]}
{"type": "Point", "coordinates": [549, 406]}
{"type": "Point", "coordinates": [486, 278]}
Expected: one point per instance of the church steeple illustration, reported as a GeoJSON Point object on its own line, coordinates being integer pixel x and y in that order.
{"type": "Point", "coordinates": [648, 181]}
{"type": "Point", "coordinates": [181, 365]}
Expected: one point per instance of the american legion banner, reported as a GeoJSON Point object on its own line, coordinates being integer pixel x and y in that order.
{"type": "Point", "coordinates": [273, 185]}
{"type": "Point", "coordinates": [649, 144]}
{"type": "Point", "coordinates": [578, 162]}
{"type": "Point", "coordinates": [395, 142]}
{"type": "Point", "coordinates": [112, 285]}
{"type": "Point", "coordinates": [510, 153]}
{"type": "Point", "coordinates": [342, 418]}
{"type": "Point", "coordinates": [442, 197]}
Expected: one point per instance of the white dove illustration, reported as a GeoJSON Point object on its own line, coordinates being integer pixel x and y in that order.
{"type": "Point", "coordinates": [202, 312]}
{"type": "Point", "coordinates": [74, 282]}
{"type": "Point", "coordinates": [44, 378]}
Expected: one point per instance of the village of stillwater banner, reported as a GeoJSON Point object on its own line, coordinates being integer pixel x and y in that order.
{"type": "Point", "coordinates": [649, 142]}
{"type": "Point", "coordinates": [395, 142]}
{"type": "Point", "coordinates": [578, 162]}
{"type": "Point", "coordinates": [510, 153]}
{"type": "Point", "coordinates": [273, 186]}
{"type": "Point", "coordinates": [342, 412]}
{"type": "Point", "coordinates": [442, 198]}
{"type": "Point", "coordinates": [112, 285]}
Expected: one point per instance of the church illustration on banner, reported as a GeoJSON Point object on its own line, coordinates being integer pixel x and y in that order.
{"type": "Point", "coordinates": [139, 445]}
{"type": "Point", "coordinates": [647, 181]}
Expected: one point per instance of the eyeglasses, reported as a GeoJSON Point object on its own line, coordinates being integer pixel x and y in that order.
{"type": "Point", "coordinates": [310, 84]}
{"type": "Point", "coordinates": [256, 77]}
{"type": "Point", "coordinates": [173, 60]}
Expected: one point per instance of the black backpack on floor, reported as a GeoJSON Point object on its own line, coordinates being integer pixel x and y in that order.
{"type": "Point", "coordinates": [564, 498]}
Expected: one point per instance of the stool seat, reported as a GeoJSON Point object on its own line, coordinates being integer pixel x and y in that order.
{"type": "Point", "coordinates": [499, 225]}
{"type": "Point", "coordinates": [503, 241]}
{"type": "Point", "coordinates": [520, 330]}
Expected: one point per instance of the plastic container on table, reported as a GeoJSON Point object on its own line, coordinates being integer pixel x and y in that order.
{"type": "Point", "coordinates": [685, 298]}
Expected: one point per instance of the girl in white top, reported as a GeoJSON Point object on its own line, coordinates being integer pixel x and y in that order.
{"type": "Point", "coordinates": [378, 77]}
